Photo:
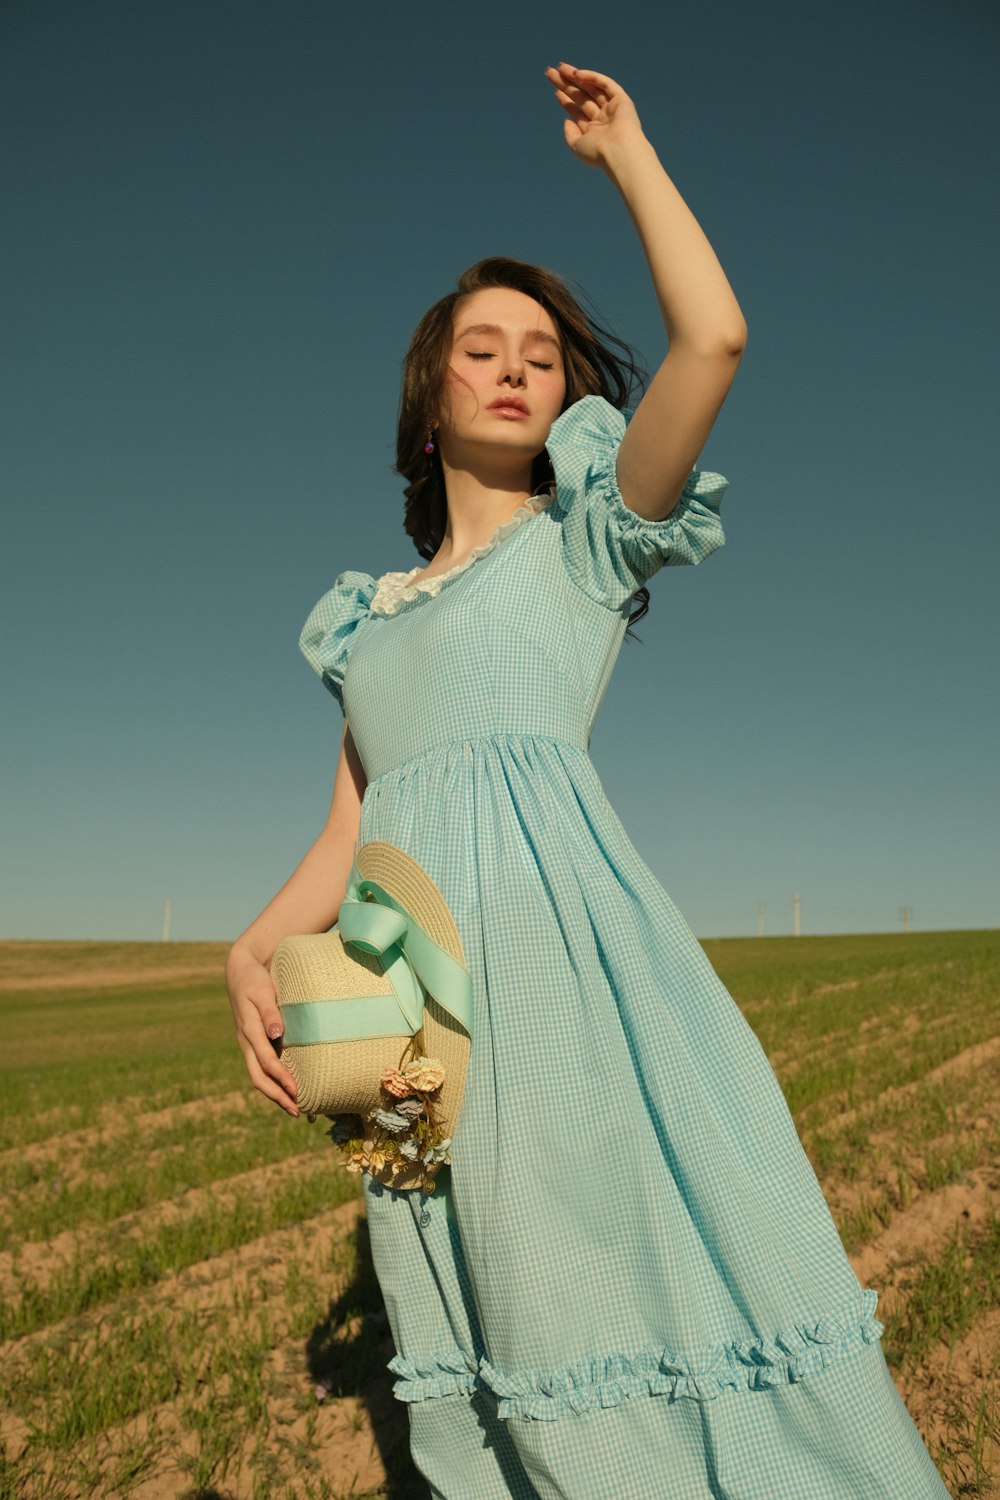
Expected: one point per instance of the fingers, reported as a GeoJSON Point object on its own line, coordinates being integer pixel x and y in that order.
{"type": "Point", "coordinates": [265, 1055]}
{"type": "Point", "coordinates": [597, 86]}
{"type": "Point", "coordinates": [579, 115]}
{"type": "Point", "coordinates": [267, 1074]}
{"type": "Point", "coordinates": [268, 1086]}
{"type": "Point", "coordinates": [260, 1026]}
{"type": "Point", "coordinates": [258, 1029]}
{"type": "Point", "coordinates": [589, 99]}
{"type": "Point", "coordinates": [578, 104]}
{"type": "Point", "coordinates": [569, 88]}
{"type": "Point", "coordinates": [260, 993]}
{"type": "Point", "coordinates": [270, 1017]}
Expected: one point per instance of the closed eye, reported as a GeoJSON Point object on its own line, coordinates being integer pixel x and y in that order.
{"type": "Point", "coordinates": [537, 364]}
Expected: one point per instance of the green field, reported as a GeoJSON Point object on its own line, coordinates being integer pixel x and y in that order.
{"type": "Point", "coordinates": [187, 1304]}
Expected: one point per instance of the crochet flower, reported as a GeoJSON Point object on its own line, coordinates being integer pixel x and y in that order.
{"type": "Point", "coordinates": [394, 1083]}
{"type": "Point", "coordinates": [389, 1143]}
{"type": "Point", "coordinates": [425, 1074]}
{"type": "Point", "coordinates": [341, 1130]}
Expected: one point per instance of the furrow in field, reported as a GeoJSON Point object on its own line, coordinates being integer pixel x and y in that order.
{"type": "Point", "coordinates": [281, 1433]}
{"type": "Point", "coordinates": [970, 1363]}
{"type": "Point", "coordinates": [970, 1060]}
{"type": "Point", "coordinates": [335, 1442]}
{"type": "Point", "coordinates": [146, 977]}
{"type": "Point", "coordinates": [873, 1177]}
{"type": "Point", "coordinates": [113, 1122]}
{"type": "Point", "coordinates": [242, 1381]}
{"type": "Point", "coordinates": [212, 1294]}
{"type": "Point", "coordinates": [917, 1232]}
{"type": "Point", "coordinates": [818, 1051]}
{"type": "Point", "coordinates": [130, 1175]}
{"type": "Point", "coordinates": [979, 1058]}
{"type": "Point", "coordinates": [76, 1272]}
{"type": "Point", "coordinates": [127, 1119]}
{"type": "Point", "coordinates": [122, 1122]}
{"type": "Point", "coordinates": [71, 966]}
{"type": "Point", "coordinates": [211, 1440]}
{"type": "Point", "coordinates": [953, 1395]}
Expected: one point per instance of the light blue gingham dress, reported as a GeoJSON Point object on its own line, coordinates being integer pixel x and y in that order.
{"type": "Point", "coordinates": [628, 1282]}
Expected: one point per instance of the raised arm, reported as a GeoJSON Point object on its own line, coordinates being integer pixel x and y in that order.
{"type": "Point", "coordinates": [705, 328]}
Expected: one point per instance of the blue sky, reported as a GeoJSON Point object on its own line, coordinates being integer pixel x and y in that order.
{"type": "Point", "coordinates": [221, 223]}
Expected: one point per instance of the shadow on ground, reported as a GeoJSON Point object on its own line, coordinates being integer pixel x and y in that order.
{"type": "Point", "coordinates": [348, 1353]}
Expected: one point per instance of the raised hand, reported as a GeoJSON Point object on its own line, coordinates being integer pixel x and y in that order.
{"type": "Point", "coordinates": [600, 116]}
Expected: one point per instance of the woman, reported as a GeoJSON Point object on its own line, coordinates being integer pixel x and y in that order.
{"type": "Point", "coordinates": [628, 1282]}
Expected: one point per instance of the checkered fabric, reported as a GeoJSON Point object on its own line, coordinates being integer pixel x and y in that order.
{"type": "Point", "coordinates": [629, 1282]}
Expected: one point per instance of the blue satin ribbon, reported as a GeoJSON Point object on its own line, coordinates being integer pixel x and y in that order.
{"type": "Point", "coordinates": [414, 965]}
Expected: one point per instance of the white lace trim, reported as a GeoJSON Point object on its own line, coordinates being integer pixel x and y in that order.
{"type": "Point", "coordinates": [393, 588]}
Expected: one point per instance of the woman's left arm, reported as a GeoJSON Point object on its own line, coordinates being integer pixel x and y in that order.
{"type": "Point", "coordinates": [705, 328]}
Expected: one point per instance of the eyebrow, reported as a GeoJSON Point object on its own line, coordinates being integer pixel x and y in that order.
{"type": "Point", "coordinates": [537, 335]}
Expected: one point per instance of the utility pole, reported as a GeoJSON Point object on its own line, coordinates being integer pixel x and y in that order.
{"type": "Point", "coordinates": [796, 917]}
{"type": "Point", "coordinates": [166, 923]}
{"type": "Point", "coordinates": [905, 913]}
{"type": "Point", "coordinates": [761, 908]}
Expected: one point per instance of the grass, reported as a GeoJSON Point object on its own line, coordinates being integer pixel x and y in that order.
{"type": "Point", "coordinates": [947, 1296]}
{"type": "Point", "coordinates": [127, 1263]}
{"type": "Point", "coordinates": [185, 1272]}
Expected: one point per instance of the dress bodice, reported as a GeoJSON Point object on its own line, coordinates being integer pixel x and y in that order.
{"type": "Point", "coordinates": [522, 636]}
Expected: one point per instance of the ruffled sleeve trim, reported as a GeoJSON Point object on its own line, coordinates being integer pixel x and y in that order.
{"type": "Point", "coordinates": [610, 549]}
{"type": "Point", "coordinates": [328, 633]}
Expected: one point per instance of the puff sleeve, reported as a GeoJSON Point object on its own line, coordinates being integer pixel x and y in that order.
{"type": "Point", "coordinates": [610, 550]}
{"type": "Point", "coordinates": [328, 634]}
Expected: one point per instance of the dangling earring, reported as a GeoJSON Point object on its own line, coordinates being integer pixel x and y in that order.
{"type": "Point", "coordinates": [429, 445]}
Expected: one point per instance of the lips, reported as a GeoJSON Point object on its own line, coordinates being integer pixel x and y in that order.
{"type": "Point", "coordinates": [511, 404]}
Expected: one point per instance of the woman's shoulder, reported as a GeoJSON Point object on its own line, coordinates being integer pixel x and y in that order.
{"type": "Point", "coordinates": [325, 641]}
{"type": "Point", "coordinates": [351, 594]}
{"type": "Point", "coordinates": [590, 422]}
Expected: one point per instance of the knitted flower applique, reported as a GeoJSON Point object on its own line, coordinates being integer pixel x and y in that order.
{"type": "Point", "coordinates": [403, 1132]}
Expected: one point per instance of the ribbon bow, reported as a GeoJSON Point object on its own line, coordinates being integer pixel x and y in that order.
{"type": "Point", "coordinates": [413, 963]}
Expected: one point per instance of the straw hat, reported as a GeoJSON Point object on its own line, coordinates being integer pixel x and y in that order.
{"type": "Point", "coordinates": [377, 1015]}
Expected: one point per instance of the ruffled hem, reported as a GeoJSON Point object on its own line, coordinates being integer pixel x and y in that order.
{"type": "Point", "coordinates": [444, 1375]}
{"type": "Point", "coordinates": [600, 1381]}
{"type": "Point", "coordinates": [394, 589]}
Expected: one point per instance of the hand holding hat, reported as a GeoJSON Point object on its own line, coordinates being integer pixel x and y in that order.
{"type": "Point", "coordinates": [377, 1019]}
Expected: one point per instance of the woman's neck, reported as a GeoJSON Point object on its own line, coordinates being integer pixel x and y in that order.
{"type": "Point", "coordinates": [477, 504]}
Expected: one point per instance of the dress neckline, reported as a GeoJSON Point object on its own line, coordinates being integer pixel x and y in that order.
{"type": "Point", "coordinates": [393, 590]}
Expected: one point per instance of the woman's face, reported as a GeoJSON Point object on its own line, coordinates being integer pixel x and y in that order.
{"type": "Point", "coordinates": [506, 382]}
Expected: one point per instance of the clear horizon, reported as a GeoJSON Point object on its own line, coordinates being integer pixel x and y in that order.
{"type": "Point", "coordinates": [220, 235]}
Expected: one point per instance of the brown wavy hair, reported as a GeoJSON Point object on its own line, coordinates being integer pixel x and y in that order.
{"type": "Point", "coordinates": [597, 363]}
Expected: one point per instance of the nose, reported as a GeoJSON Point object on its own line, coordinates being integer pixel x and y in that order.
{"type": "Point", "coordinates": [512, 370]}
